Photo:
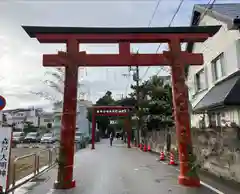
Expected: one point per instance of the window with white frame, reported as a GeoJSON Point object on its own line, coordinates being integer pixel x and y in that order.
{"type": "Point", "coordinates": [218, 67]}
{"type": "Point", "coordinates": [200, 80]}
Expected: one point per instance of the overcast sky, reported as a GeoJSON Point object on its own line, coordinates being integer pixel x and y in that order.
{"type": "Point", "coordinates": [21, 57]}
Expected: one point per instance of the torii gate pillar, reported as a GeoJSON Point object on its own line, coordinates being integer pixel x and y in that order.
{"type": "Point", "coordinates": [68, 121]}
{"type": "Point", "coordinates": [93, 128]}
{"type": "Point", "coordinates": [188, 175]}
{"type": "Point", "coordinates": [128, 130]}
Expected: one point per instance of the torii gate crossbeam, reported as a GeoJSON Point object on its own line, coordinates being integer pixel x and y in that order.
{"type": "Point", "coordinates": [72, 59]}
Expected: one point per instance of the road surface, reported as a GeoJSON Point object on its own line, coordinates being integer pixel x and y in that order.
{"type": "Point", "coordinates": [117, 170]}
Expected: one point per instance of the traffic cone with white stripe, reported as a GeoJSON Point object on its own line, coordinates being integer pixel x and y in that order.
{"type": "Point", "coordinates": [172, 162]}
{"type": "Point", "coordinates": [162, 157]}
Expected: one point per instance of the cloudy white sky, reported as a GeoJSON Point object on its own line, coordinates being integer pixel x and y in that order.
{"type": "Point", "coordinates": [20, 56]}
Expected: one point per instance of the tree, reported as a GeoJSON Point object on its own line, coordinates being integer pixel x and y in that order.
{"type": "Point", "coordinates": [29, 127]}
{"type": "Point", "coordinates": [102, 121]}
{"type": "Point", "coordinates": [55, 80]}
{"type": "Point", "coordinates": [127, 101]}
{"type": "Point", "coordinates": [155, 103]}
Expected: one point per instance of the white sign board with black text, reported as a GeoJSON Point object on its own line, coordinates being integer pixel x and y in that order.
{"type": "Point", "coordinates": [5, 147]}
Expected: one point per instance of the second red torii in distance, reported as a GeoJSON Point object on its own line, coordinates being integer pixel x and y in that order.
{"type": "Point", "coordinates": [116, 111]}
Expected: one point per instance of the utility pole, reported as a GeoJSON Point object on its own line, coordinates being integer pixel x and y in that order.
{"type": "Point", "coordinates": [136, 79]}
{"type": "Point", "coordinates": [138, 105]}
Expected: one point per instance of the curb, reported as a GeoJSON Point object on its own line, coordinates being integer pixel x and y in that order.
{"type": "Point", "coordinates": [205, 173]}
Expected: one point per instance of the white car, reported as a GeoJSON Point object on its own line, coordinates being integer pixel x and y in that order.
{"type": "Point", "coordinates": [48, 138]}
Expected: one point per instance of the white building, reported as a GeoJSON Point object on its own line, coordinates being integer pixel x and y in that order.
{"type": "Point", "coordinates": [46, 120]}
{"type": "Point", "coordinates": [214, 88]}
{"type": "Point", "coordinates": [82, 123]}
{"type": "Point", "coordinates": [18, 117]}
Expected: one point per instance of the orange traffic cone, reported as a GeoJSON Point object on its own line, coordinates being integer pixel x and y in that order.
{"type": "Point", "coordinates": [149, 148]}
{"type": "Point", "coordinates": [145, 148]}
{"type": "Point", "coordinates": [162, 157]}
{"type": "Point", "coordinates": [171, 162]}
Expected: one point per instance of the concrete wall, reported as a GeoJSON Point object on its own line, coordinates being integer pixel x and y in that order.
{"type": "Point", "coordinates": [217, 150]}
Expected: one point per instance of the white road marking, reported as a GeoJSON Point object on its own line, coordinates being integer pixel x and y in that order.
{"type": "Point", "coordinates": [163, 162]}
{"type": "Point", "coordinates": [136, 169]}
{"type": "Point", "coordinates": [211, 188]}
{"type": "Point", "coordinates": [203, 183]}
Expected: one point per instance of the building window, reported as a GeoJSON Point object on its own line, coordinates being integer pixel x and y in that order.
{"type": "Point", "coordinates": [218, 68]}
{"type": "Point", "coordinates": [200, 80]}
{"type": "Point", "coordinates": [218, 120]}
{"type": "Point", "coordinates": [47, 120]}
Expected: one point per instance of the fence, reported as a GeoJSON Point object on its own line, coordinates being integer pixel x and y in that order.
{"type": "Point", "coordinates": [29, 166]}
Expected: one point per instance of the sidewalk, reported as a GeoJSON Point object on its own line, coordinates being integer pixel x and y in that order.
{"type": "Point", "coordinates": [225, 186]}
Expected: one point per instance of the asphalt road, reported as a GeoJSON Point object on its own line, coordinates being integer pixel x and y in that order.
{"type": "Point", "coordinates": [116, 170]}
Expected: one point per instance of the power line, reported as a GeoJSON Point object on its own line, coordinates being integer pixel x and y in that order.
{"type": "Point", "coordinates": [174, 15]}
{"type": "Point", "coordinates": [199, 19]}
{"type": "Point", "coordinates": [154, 13]}
{"type": "Point", "coordinates": [149, 24]}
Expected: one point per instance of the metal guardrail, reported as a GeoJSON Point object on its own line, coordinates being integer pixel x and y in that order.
{"type": "Point", "coordinates": [36, 167]}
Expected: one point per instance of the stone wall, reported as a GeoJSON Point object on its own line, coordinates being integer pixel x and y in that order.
{"type": "Point", "coordinates": [217, 150]}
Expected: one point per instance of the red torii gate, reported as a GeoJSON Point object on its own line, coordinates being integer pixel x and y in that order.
{"type": "Point", "coordinates": [72, 59]}
{"type": "Point", "coordinates": [119, 111]}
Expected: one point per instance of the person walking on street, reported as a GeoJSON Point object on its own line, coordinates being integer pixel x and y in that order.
{"type": "Point", "coordinates": [125, 137]}
{"type": "Point", "coordinates": [111, 138]}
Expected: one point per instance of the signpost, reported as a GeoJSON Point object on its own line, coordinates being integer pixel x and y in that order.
{"type": "Point", "coordinates": [5, 148]}
{"type": "Point", "coordinates": [2, 103]}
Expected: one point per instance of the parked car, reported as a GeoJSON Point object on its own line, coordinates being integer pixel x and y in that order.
{"type": "Point", "coordinates": [32, 137]}
{"type": "Point", "coordinates": [80, 140]}
{"type": "Point", "coordinates": [18, 137]}
{"type": "Point", "coordinates": [48, 138]}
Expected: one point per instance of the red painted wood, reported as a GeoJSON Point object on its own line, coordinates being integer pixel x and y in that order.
{"type": "Point", "coordinates": [103, 112]}
{"type": "Point", "coordinates": [128, 130]}
{"type": "Point", "coordinates": [181, 114]}
{"type": "Point", "coordinates": [93, 129]}
{"type": "Point", "coordinates": [125, 49]}
{"type": "Point", "coordinates": [68, 125]}
{"type": "Point", "coordinates": [96, 60]}
{"type": "Point", "coordinates": [116, 38]}
{"type": "Point", "coordinates": [71, 60]}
